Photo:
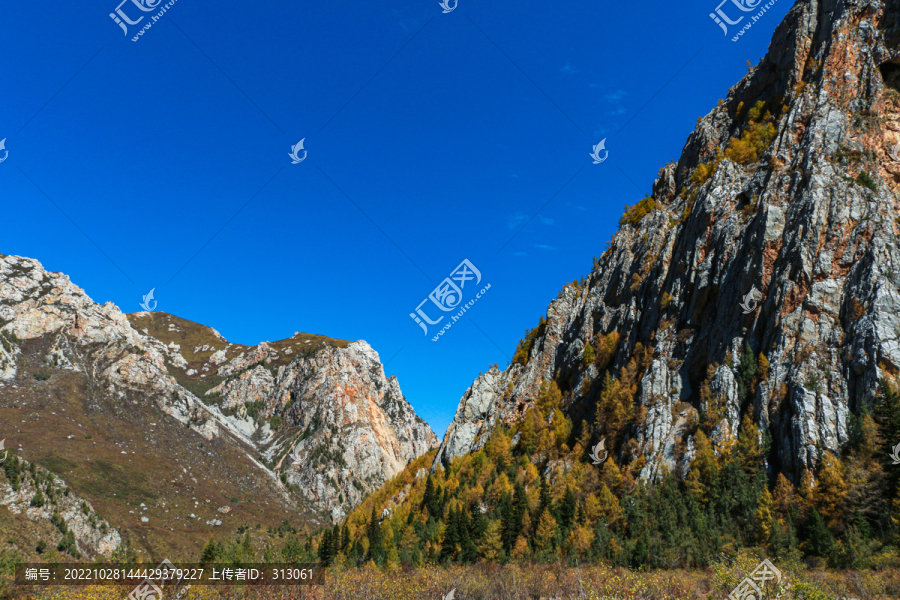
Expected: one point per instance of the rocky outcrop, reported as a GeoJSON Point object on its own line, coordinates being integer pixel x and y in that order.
{"type": "Point", "coordinates": [352, 428]}
{"type": "Point", "coordinates": [786, 244]}
{"type": "Point", "coordinates": [42, 496]}
{"type": "Point", "coordinates": [321, 413]}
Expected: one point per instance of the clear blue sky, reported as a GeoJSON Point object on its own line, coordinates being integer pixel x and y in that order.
{"type": "Point", "coordinates": [448, 133]}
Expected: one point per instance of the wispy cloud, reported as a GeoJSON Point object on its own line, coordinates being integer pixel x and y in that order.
{"type": "Point", "coordinates": [615, 96]}
{"type": "Point", "coordinates": [569, 69]}
{"type": "Point", "coordinates": [618, 111]}
{"type": "Point", "coordinates": [544, 247]}
{"type": "Point", "coordinates": [520, 254]}
{"type": "Point", "coordinates": [518, 219]}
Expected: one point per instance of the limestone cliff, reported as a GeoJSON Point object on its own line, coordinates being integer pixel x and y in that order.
{"type": "Point", "coordinates": [776, 230]}
{"type": "Point", "coordinates": [302, 427]}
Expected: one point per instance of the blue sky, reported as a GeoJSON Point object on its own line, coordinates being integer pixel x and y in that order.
{"type": "Point", "coordinates": [431, 138]}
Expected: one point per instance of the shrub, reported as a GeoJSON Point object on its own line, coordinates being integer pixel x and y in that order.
{"type": "Point", "coordinates": [606, 349]}
{"type": "Point", "coordinates": [588, 355]}
{"type": "Point", "coordinates": [523, 350]}
{"type": "Point", "coordinates": [865, 180]}
{"type": "Point", "coordinates": [666, 299]}
{"type": "Point", "coordinates": [42, 376]}
{"type": "Point", "coordinates": [706, 170]}
{"type": "Point", "coordinates": [754, 141]}
{"type": "Point", "coordinates": [857, 310]}
{"type": "Point", "coordinates": [634, 214]}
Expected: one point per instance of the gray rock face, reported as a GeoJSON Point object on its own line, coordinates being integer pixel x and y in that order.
{"type": "Point", "coordinates": [94, 537]}
{"type": "Point", "coordinates": [792, 223]}
{"type": "Point", "coordinates": [349, 428]}
{"type": "Point", "coordinates": [346, 428]}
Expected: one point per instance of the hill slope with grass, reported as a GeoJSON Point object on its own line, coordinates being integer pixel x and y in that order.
{"type": "Point", "coordinates": [171, 434]}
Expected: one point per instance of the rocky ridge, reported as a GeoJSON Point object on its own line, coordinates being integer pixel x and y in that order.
{"type": "Point", "coordinates": [776, 230]}
{"type": "Point", "coordinates": [317, 415]}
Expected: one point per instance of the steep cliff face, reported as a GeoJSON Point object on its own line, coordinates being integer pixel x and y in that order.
{"type": "Point", "coordinates": [341, 427]}
{"type": "Point", "coordinates": [349, 427]}
{"type": "Point", "coordinates": [320, 411]}
{"type": "Point", "coordinates": [137, 410]}
{"type": "Point", "coordinates": [774, 236]}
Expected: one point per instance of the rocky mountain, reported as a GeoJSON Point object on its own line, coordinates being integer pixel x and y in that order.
{"type": "Point", "coordinates": [760, 279]}
{"type": "Point", "coordinates": [169, 431]}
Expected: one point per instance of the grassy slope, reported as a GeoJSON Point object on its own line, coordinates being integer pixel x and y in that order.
{"type": "Point", "coordinates": [122, 453]}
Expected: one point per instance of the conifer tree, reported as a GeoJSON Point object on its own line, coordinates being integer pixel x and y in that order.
{"type": "Point", "coordinates": [588, 355]}
{"type": "Point", "coordinates": [748, 445]}
{"type": "Point", "coordinates": [491, 547]}
{"type": "Point", "coordinates": [830, 490]}
{"type": "Point", "coordinates": [545, 532]}
{"type": "Point", "coordinates": [528, 439]}
{"type": "Point", "coordinates": [545, 499]}
{"type": "Point", "coordinates": [764, 516]}
{"type": "Point", "coordinates": [746, 372]}
{"type": "Point", "coordinates": [608, 508]}
{"type": "Point", "coordinates": [326, 551]}
{"type": "Point", "coordinates": [784, 497]}
{"type": "Point", "coordinates": [567, 509]}
{"type": "Point", "coordinates": [451, 537]}
{"type": "Point", "coordinates": [376, 539]}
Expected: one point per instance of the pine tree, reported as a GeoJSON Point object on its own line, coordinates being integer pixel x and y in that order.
{"type": "Point", "coordinates": [520, 549]}
{"type": "Point", "coordinates": [468, 549]}
{"type": "Point", "coordinates": [784, 498]}
{"type": "Point", "coordinates": [210, 552]}
{"type": "Point", "coordinates": [748, 446]}
{"type": "Point", "coordinates": [609, 508]}
{"type": "Point", "coordinates": [567, 509]}
{"type": "Point", "coordinates": [345, 536]}
{"type": "Point", "coordinates": [580, 540]}
{"type": "Point", "coordinates": [588, 355]}
{"type": "Point", "coordinates": [746, 372]}
{"type": "Point", "coordinates": [451, 537]}
{"type": "Point", "coordinates": [545, 499]}
{"type": "Point", "coordinates": [428, 500]}
{"type": "Point", "coordinates": [528, 440]}
{"type": "Point", "coordinates": [764, 516]}
{"type": "Point", "coordinates": [491, 548]}
{"type": "Point", "coordinates": [820, 540]}
{"type": "Point", "coordinates": [376, 539]}
{"type": "Point", "coordinates": [325, 550]}
{"type": "Point", "coordinates": [545, 532]}
{"type": "Point", "coordinates": [830, 490]}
